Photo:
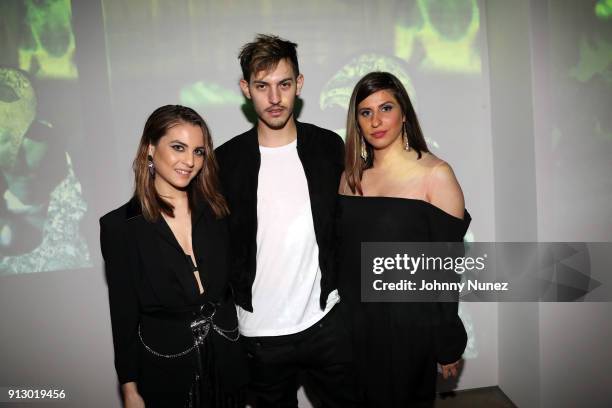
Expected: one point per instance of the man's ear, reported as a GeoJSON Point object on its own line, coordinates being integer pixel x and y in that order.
{"type": "Point", "coordinates": [244, 86]}
{"type": "Point", "coordinates": [300, 83]}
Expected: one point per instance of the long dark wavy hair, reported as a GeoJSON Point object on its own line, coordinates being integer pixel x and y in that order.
{"type": "Point", "coordinates": [371, 83]}
{"type": "Point", "coordinates": [205, 185]}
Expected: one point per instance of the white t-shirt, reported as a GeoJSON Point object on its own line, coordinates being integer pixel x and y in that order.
{"type": "Point", "coordinates": [287, 284]}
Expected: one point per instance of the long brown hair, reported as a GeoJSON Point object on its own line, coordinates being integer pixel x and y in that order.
{"type": "Point", "coordinates": [205, 185]}
{"type": "Point", "coordinates": [373, 82]}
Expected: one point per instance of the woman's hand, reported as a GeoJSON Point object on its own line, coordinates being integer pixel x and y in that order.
{"type": "Point", "coordinates": [450, 370]}
{"type": "Point", "coordinates": [131, 397]}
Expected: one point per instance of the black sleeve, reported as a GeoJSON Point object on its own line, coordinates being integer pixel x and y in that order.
{"type": "Point", "coordinates": [238, 280]}
{"type": "Point", "coordinates": [450, 335]}
{"type": "Point", "coordinates": [123, 301]}
{"type": "Point", "coordinates": [339, 148]}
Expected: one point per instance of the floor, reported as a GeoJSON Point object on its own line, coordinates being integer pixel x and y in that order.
{"type": "Point", "coordinates": [489, 397]}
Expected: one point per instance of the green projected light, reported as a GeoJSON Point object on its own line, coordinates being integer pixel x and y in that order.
{"type": "Point", "coordinates": [201, 95]}
{"type": "Point", "coordinates": [337, 91]}
{"type": "Point", "coordinates": [603, 9]}
{"type": "Point", "coordinates": [17, 111]}
{"type": "Point", "coordinates": [447, 31]}
{"type": "Point", "coordinates": [62, 247]}
{"type": "Point", "coordinates": [39, 215]}
{"type": "Point", "coordinates": [471, 349]}
{"type": "Point", "coordinates": [595, 59]}
{"type": "Point", "coordinates": [48, 50]}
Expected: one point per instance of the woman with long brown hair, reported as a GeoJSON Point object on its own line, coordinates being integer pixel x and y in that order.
{"type": "Point", "coordinates": [394, 190]}
{"type": "Point", "coordinates": [167, 263]}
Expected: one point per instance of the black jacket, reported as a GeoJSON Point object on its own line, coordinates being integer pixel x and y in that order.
{"type": "Point", "coordinates": [321, 152]}
{"type": "Point", "coordinates": [150, 283]}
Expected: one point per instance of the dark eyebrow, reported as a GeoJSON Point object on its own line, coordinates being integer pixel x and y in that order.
{"type": "Point", "coordinates": [259, 81]}
{"type": "Point", "coordinates": [185, 145]}
{"type": "Point", "coordinates": [379, 105]}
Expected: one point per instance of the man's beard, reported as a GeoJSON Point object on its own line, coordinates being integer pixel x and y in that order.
{"type": "Point", "coordinates": [277, 123]}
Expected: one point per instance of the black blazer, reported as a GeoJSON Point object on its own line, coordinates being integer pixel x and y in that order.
{"type": "Point", "coordinates": [321, 152]}
{"type": "Point", "coordinates": [149, 279]}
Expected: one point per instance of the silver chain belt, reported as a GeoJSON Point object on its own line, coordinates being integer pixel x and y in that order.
{"type": "Point", "coordinates": [200, 327]}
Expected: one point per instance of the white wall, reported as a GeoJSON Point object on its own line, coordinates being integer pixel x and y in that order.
{"type": "Point", "coordinates": [550, 354]}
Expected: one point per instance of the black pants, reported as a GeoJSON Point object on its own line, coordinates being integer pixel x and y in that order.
{"type": "Point", "coordinates": [320, 357]}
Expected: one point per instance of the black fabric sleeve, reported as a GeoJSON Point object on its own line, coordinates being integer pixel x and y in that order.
{"type": "Point", "coordinates": [238, 279]}
{"type": "Point", "coordinates": [339, 148]}
{"type": "Point", "coordinates": [123, 301]}
{"type": "Point", "coordinates": [450, 335]}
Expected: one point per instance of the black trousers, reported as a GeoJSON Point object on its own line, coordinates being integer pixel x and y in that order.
{"type": "Point", "coordinates": [320, 358]}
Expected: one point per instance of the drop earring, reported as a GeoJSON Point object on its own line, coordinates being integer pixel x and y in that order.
{"type": "Point", "coordinates": [151, 166]}
{"type": "Point", "coordinates": [364, 150]}
{"type": "Point", "coordinates": [405, 137]}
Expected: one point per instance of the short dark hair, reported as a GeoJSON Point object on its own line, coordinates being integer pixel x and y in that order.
{"type": "Point", "coordinates": [264, 54]}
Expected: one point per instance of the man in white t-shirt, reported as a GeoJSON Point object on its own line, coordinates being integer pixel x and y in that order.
{"type": "Point", "coordinates": [280, 179]}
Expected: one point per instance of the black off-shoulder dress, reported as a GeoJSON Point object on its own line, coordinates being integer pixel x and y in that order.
{"type": "Point", "coordinates": [396, 345]}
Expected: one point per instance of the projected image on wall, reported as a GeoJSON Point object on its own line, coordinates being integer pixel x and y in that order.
{"type": "Point", "coordinates": [432, 46]}
{"type": "Point", "coordinates": [41, 204]}
{"type": "Point", "coordinates": [580, 131]}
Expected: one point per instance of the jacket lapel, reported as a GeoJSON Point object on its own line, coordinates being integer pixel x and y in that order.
{"type": "Point", "coordinates": [165, 258]}
{"type": "Point", "coordinates": [160, 226]}
{"type": "Point", "coordinates": [198, 212]}
{"type": "Point", "coordinates": [163, 229]}
{"type": "Point", "coordinates": [254, 165]}
{"type": "Point", "coordinates": [199, 217]}
{"type": "Point", "coordinates": [309, 163]}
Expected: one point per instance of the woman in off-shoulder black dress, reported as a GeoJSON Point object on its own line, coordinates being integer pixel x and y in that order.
{"type": "Point", "coordinates": [395, 190]}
